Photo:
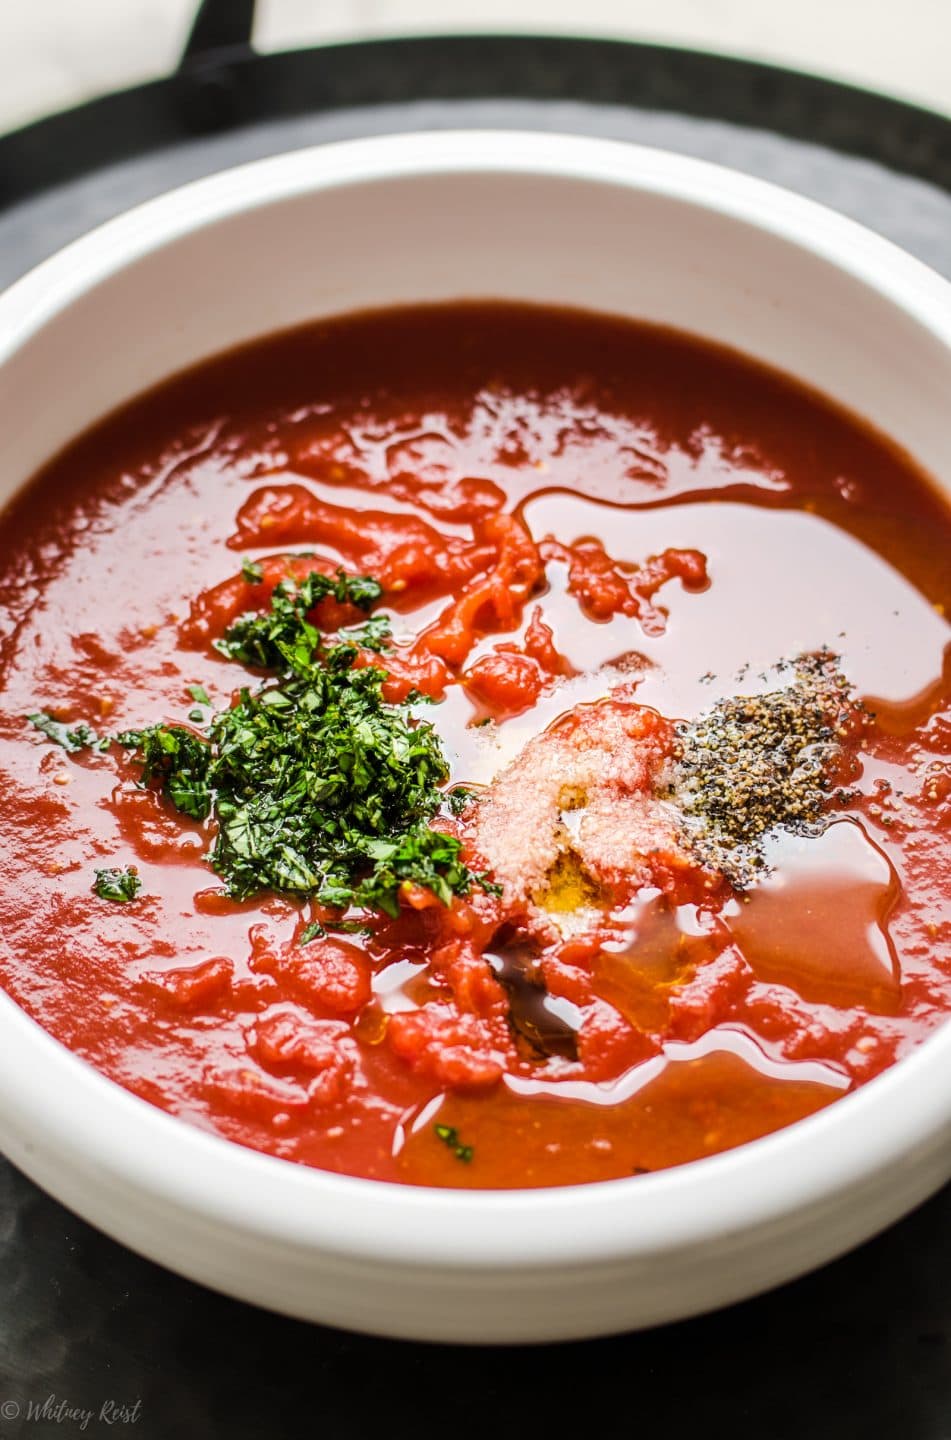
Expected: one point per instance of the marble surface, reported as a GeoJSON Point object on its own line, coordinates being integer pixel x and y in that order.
{"type": "Point", "coordinates": [55, 53]}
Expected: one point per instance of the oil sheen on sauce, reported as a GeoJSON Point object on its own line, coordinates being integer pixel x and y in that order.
{"type": "Point", "coordinates": [684, 1027]}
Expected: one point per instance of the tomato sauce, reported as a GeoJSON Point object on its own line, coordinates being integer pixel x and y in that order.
{"type": "Point", "coordinates": [586, 530]}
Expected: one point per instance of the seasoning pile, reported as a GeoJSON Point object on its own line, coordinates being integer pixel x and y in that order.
{"type": "Point", "coordinates": [758, 763]}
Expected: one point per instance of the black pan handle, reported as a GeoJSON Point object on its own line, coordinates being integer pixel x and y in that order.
{"type": "Point", "coordinates": [220, 28]}
{"type": "Point", "coordinates": [220, 40]}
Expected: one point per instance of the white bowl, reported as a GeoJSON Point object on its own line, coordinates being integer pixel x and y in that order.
{"type": "Point", "coordinates": [428, 217]}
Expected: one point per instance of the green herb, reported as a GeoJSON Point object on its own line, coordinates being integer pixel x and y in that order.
{"type": "Point", "coordinates": [318, 786]}
{"type": "Point", "coordinates": [420, 856]}
{"type": "Point", "coordinates": [316, 930]}
{"type": "Point", "coordinates": [118, 885]}
{"type": "Point", "coordinates": [252, 571]}
{"type": "Point", "coordinates": [459, 798]}
{"type": "Point", "coordinates": [359, 590]}
{"type": "Point", "coordinates": [282, 637]}
{"type": "Point", "coordinates": [180, 760]}
{"type": "Point", "coordinates": [374, 635]}
{"type": "Point", "coordinates": [199, 694]}
{"type": "Point", "coordinates": [71, 738]}
{"type": "Point", "coordinates": [449, 1136]}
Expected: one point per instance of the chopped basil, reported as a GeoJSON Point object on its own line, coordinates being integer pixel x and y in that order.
{"type": "Point", "coordinates": [199, 694]}
{"type": "Point", "coordinates": [252, 571]}
{"type": "Point", "coordinates": [180, 759]}
{"type": "Point", "coordinates": [459, 798]}
{"type": "Point", "coordinates": [70, 737]}
{"type": "Point", "coordinates": [319, 787]}
{"type": "Point", "coordinates": [373, 635]}
{"type": "Point", "coordinates": [317, 930]}
{"type": "Point", "coordinates": [282, 636]}
{"type": "Point", "coordinates": [349, 927]}
{"type": "Point", "coordinates": [449, 1136]}
{"type": "Point", "coordinates": [118, 885]}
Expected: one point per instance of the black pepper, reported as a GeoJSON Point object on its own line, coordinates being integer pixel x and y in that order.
{"type": "Point", "coordinates": [754, 764]}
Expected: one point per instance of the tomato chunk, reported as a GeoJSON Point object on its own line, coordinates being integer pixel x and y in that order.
{"type": "Point", "coordinates": [461, 1051]}
{"type": "Point", "coordinates": [328, 975]}
{"type": "Point", "coordinates": [506, 682]}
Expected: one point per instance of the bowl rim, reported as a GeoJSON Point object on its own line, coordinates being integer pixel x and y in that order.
{"type": "Point", "coordinates": [69, 1117]}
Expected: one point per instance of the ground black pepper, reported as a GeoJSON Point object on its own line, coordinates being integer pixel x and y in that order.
{"type": "Point", "coordinates": [754, 764]}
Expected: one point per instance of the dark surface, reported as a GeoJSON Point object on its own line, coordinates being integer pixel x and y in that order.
{"type": "Point", "coordinates": [856, 1351]}
{"type": "Point", "coordinates": [229, 85]}
{"type": "Point", "coordinates": [861, 1349]}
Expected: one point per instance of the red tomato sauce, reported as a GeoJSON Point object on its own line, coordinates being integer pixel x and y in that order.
{"type": "Point", "coordinates": [571, 517]}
